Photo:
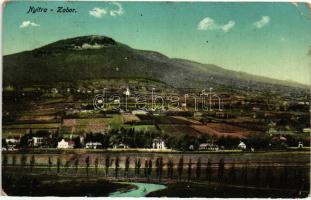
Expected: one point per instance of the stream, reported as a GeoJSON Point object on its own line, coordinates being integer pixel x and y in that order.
{"type": "Point", "coordinates": [141, 191]}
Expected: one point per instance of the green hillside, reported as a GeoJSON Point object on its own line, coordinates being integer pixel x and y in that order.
{"type": "Point", "coordinates": [97, 57]}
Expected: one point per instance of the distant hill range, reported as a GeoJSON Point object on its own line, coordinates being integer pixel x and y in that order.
{"type": "Point", "coordinates": [97, 57]}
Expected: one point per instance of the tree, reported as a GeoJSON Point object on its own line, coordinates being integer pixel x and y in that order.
{"type": "Point", "coordinates": [161, 168]}
{"type": "Point", "coordinates": [107, 164]}
{"type": "Point", "coordinates": [127, 166]}
{"type": "Point", "coordinates": [170, 168]}
{"type": "Point", "coordinates": [55, 138]}
{"type": "Point", "coordinates": [146, 168]}
{"type": "Point", "coordinates": [138, 167]}
{"type": "Point", "coordinates": [89, 137]}
{"type": "Point", "coordinates": [189, 169]}
{"type": "Point", "coordinates": [23, 160]}
{"type": "Point", "coordinates": [77, 143]}
{"type": "Point", "coordinates": [158, 168]}
{"type": "Point", "coordinates": [135, 167]}
{"type": "Point", "coordinates": [209, 170]}
{"type": "Point", "coordinates": [66, 166]}
{"type": "Point", "coordinates": [117, 167]}
{"type": "Point", "coordinates": [198, 169]}
{"type": "Point", "coordinates": [32, 162]}
{"type": "Point", "coordinates": [76, 165]}
{"type": "Point", "coordinates": [87, 162]}
{"type": "Point", "coordinates": [221, 168]}
{"type": "Point", "coordinates": [49, 163]}
{"type": "Point", "coordinates": [24, 141]}
{"type": "Point", "coordinates": [96, 166]}
{"type": "Point", "coordinates": [58, 164]}
{"type": "Point", "coordinates": [14, 160]}
{"type": "Point", "coordinates": [228, 142]}
{"type": "Point", "coordinates": [258, 141]}
{"type": "Point", "coordinates": [149, 168]}
{"type": "Point", "coordinates": [172, 142]}
{"type": "Point", "coordinates": [180, 167]}
{"type": "Point", "coordinates": [186, 141]}
{"type": "Point", "coordinates": [4, 161]}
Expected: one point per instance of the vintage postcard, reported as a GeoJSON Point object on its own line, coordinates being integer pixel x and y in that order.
{"type": "Point", "coordinates": [156, 99]}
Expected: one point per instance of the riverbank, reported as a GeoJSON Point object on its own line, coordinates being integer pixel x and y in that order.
{"type": "Point", "coordinates": [212, 190]}
{"type": "Point", "coordinates": [48, 185]}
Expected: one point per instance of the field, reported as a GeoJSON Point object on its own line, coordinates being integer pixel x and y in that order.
{"type": "Point", "coordinates": [222, 129]}
{"type": "Point", "coordinates": [114, 121]}
{"type": "Point", "coordinates": [160, 119]}
{"type": "Point", "coordinates": [192, 121]}
{"type": "Point", "coordinates": [93, 125]}
{"type": "Point", "coordinates": [178, 130]}
{"type": "Point", "coordinates": [144, 128]}
{"type": "Point", "coordinates": [20, 129]}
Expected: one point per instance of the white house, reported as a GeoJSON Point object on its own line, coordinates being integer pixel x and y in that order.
{"type": "Point", "coordinates": [242, 145]}
{"type": "Point", "coordinates": [12, 140]}
{"type": "Point", "coordinates": [54, 91]}
{"type": "Point", "coordinates": [36, 141]}
{"type": "Point", "coordinates": [209, 147]}
{"type": "Point", "coordinates": [93, 145]}
{"type": "Point", "coordinates": [158, 144]}
{"type": "Point", "coordinates": [120, 146]}
{"type": "Point", "coordinates": [11, 143]}
{"type": "Point", "coordinates": [300, 144]}
{"type": "Point", "coordinates": [62, 144]}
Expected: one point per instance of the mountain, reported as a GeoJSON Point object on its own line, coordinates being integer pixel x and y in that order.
{"type": "Point", "coordinates": [97, 57]}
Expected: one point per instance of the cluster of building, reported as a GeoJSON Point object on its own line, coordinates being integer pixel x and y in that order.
{"type": "Point", "coordinates": [215, 147]}
{"type": "Point", "coordinates": [41, 142]}
{"type": "Point", "coordinates": [157, 143]}
{"type": "Point", "coordinates": [63, 144]}
{"type": "Point", "coordinates": [11, 143]}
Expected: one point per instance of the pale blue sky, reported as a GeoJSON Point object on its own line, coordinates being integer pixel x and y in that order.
{"type": "Point", "coordinates": [269, 39]}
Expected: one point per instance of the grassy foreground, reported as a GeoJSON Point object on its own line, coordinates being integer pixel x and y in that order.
{"type": "Point", "coordinates": [189, 189]}
{"type": "Point", "coordinates": [39, 185]}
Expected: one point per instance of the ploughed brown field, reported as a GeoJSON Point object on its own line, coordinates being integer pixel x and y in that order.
{"type": "Point", "coordinates": [222, 129]}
